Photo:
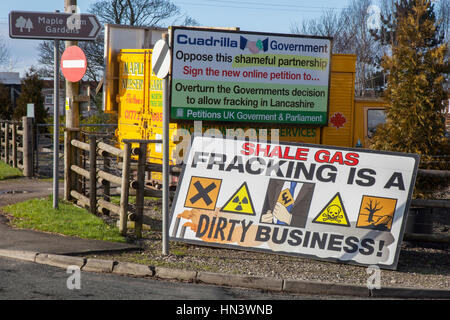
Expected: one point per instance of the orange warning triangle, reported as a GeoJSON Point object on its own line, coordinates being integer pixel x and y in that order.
{"type": "Point", "coordinates": [333, 213]}
{"type": "Point", "coordinates": [240, 202]}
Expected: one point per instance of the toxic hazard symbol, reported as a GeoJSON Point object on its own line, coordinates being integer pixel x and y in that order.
{"type": "Point", "coordinates": [376, 213]}
{"type": "Point", "coordinates": [333, 213]}
{"type": "Point", "coordinates": [203, 193]}
{"type": "Point", "coordinates": [240, 202]}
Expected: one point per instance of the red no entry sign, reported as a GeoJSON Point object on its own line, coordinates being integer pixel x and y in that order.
{"type": "Point", "coordinates": [73, 64]}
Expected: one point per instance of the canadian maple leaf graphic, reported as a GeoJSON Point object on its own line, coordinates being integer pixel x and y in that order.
{"type": "Point", "coordinates": [338, 120]}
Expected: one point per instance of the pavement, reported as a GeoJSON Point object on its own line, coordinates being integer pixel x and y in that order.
{"type": "Point", "coordinates": [18, 190]}
{"type": "Point", "coordinates": [63, 251]}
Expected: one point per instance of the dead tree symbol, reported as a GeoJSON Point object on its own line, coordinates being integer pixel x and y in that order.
{"type": "Point", "coordinates": [372, 208]}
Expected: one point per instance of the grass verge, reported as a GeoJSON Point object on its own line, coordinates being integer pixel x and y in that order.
{"type": "Point", "coordinates": [38, 214]}
{"type": "Point", "coordinates": [7, 172]}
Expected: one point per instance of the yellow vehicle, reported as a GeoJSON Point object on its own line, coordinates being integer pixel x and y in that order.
{"type": "Point", "coordinates": [351, 122]}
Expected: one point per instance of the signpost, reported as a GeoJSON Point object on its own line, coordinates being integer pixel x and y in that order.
{"type": "Point", "coordinates": [73, 63]}
{"type": "Point", "coordinates": [328, 203]}
{"type": "Point", "coordinates": [249, 77]}
{"type": "Point", "coordinates": [161, 66]}
{"type": "Point", "coordinates": [56, 26]}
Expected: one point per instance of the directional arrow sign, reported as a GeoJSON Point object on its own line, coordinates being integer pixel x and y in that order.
{"type": "Point", "coordinates": [53, 25]}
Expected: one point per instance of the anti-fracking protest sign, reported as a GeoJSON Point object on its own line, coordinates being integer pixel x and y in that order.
{"type": "Point", "coordinates": [331, 203]}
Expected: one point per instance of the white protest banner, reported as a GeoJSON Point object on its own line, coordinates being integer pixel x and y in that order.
{"type": "Point", "coordinates": [328, 203]}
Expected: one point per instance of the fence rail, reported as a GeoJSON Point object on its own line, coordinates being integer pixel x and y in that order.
{"type": "Point", "coordinates": [44, 145]}
{"type": "Point", "coordinates": [97, 151]}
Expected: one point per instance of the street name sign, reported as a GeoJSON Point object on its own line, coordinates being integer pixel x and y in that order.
{"type": "Point", "coordinates": [329, 203]}
{"type": "Point", "coordinates": [53, 25]}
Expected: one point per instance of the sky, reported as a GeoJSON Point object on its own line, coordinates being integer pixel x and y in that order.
{"type": "Point", "coordinates": [249, 15]}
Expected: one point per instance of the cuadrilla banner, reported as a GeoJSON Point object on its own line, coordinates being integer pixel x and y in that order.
{"type": "Point", "coordinates": [223, 75]}
{"type": "Point", "coordinates": [328, 203]}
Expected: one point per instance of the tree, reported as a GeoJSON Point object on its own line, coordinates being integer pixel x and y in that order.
{"type": "Point", "coordinates": [31, 93]}
{"type": "Point", "coordinates": [350, 32]}
{"type": "Point", "coordinates": [415, 90]}
{"type": "Point", "coordinates": [20, 23]}
{"type": "Point", "coordinates": [135, 12]}
{"type": "Point", "coordinates": [372, 208]}
{"type": "Point", "coordinates": [29, 25]}
{"type": "Point", "coordinates": [46, 57]}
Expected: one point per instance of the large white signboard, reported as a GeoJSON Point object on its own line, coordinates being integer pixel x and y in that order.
{"type": "Point", "coordinates": [249, 77]}
{"type": "Point", "coordinates": [330, 203]}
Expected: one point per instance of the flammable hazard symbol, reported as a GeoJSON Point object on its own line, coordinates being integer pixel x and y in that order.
{"type": "Point", "coordinates": [333, 213]}
{"type": "Point", "coordinates": [240, 202]}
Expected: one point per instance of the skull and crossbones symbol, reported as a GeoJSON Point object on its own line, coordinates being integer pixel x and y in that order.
{"type": "Point", "coordinates": [333, 214]}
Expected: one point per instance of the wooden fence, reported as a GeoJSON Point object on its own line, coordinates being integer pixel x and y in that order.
{"type": "Point", "coordinates": [95, 168]}
{"type": "Point", "coordinates": [132, 182]}
{"type": "Point", "coordinates": [423, 209]}
{"type": "Point", "coordinates": [97, 172]}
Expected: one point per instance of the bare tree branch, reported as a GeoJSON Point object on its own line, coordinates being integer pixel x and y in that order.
{"type": "Point", "coordinates": [351, 36]}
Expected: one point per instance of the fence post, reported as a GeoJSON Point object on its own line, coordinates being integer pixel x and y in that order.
{"type": "Point", "coordinates": [7, 142]}
{"type": "Point", "coordinates": [140, 190]}
{"type": "Point", "coordinates": [67, 164]}
{"type": "Point", "coordinates": [27, 146]}
{"type": "Point", "coordinates": [35, 146]}
{"type": "Point", "coordinates": [125, 189]}
{"type": "Point", "coordinates": [70, 181]}
{"type": "Point", "coordinates": [93, 173]}
{"type": "Point", "coordinates": [106, 184]}
{"type": "Point", "coordinates": [14, 145]}
{"type": "Point", "coordinates": [1, 144]}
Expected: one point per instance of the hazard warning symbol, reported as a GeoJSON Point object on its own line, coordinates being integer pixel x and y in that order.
{"type": "Point", "coordinates": [240, 202]}
{"type": "Point", "coordinates": [203, 193]}
{"type": "Point", "coordinates": [333, 213]}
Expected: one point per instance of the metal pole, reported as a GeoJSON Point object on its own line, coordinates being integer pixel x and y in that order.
{"type": "Point", "coordinates": [165, 166]}
{"type": "Point", "coordinates": [56, 125]}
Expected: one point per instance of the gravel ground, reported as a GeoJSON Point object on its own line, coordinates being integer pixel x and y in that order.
{"type": "Point", "coordinates": [421, 265]}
